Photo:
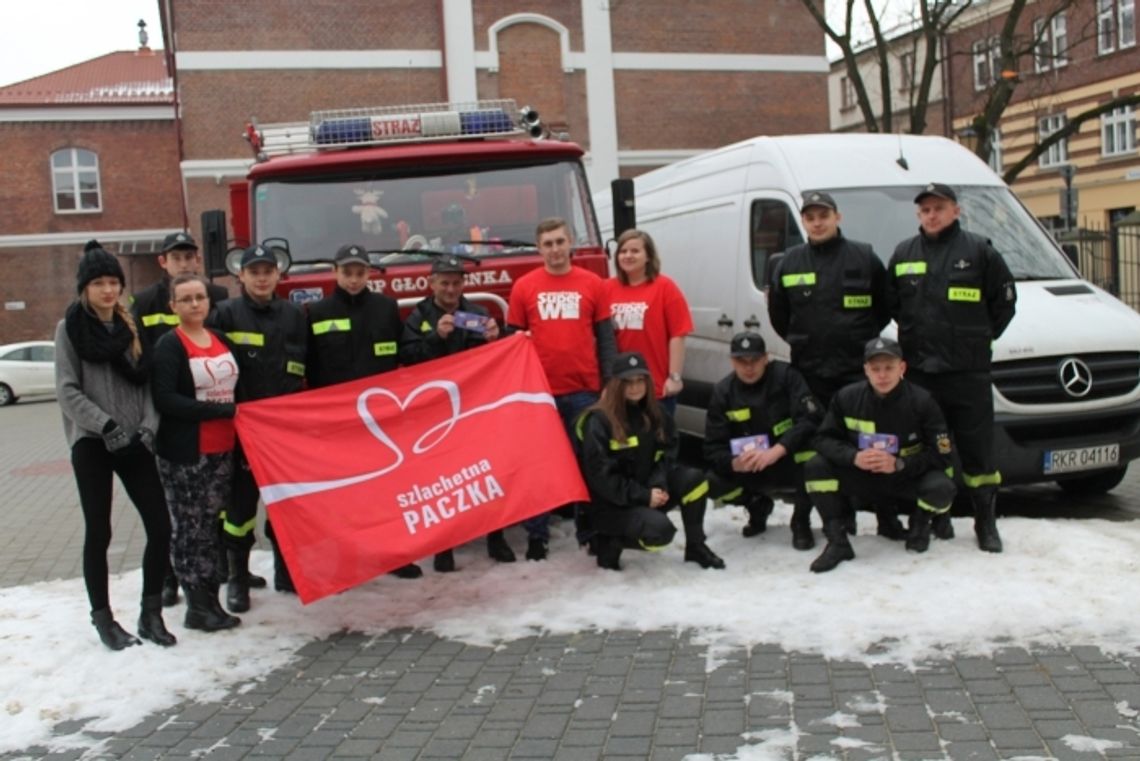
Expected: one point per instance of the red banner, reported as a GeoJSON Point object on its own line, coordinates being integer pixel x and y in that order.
{"type": "Point", "coordinates": [364, 477]}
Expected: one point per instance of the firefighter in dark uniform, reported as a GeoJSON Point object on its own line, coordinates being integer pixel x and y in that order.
{"type": "Point", "coordinates": [353, 333]}
{"type": "Point", "coordinates": [882, 438]}
{"type": "Point", "coordinates": [269, 334]}
{"type": "Point", "coordinates": [952, 296]}
{"type": "Point", "coordinates": [827, 299]}
{"type": "Point", "coordinates": [151, 309]}
{"type": "Point", "coordinates": [758, 430]}
{"type": "Point", "coordinates": [442, 324]}
{"type": "Point", "coordinates": [628, 453]}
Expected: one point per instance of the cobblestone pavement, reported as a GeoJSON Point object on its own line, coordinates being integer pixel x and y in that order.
{"type": "Point", "coordinates": [591, 695]}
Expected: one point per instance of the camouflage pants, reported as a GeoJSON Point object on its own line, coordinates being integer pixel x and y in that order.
{"type": "Point", "coordinates": [196, 494]}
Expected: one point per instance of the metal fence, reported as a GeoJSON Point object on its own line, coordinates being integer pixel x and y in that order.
{"type": "Point", "coordinates": [1108, 257]}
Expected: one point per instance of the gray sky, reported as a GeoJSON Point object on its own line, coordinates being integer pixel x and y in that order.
{"type": "Point", "coordinates": [41, 36]}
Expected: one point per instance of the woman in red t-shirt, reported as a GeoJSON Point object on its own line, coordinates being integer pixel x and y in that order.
{"type": "Point", "coordinates": [649, 313]}
{"type": "Point", "coordinates": [193, 378]}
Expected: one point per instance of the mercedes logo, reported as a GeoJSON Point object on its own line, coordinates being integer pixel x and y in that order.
{"type": "Point", "coordinates": [1075, 377]}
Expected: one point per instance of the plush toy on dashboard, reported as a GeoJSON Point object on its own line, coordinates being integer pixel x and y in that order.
{"type": "Point", "coordinates": [372, 216]}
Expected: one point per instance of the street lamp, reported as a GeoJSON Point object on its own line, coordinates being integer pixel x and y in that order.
{"type": "Point", "coordinates": [968, 138]}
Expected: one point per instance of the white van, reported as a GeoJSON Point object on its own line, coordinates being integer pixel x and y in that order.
{"type": "Point", "coordinates": [1067, 369]}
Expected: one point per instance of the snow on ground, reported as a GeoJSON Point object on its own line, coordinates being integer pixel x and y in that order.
{"type": "Point", "coordinates": [1059, 582]}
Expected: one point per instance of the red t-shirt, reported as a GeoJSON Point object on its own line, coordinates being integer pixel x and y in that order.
{"type": "Point", "coordinates": [560, 312]}
{"type": "Point", "coordinates": [215, 374]}
{"type": "Point", "coordinates": [645, 317]}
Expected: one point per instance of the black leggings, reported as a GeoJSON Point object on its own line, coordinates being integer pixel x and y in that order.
{"type": "Point", "coordinates": [94, 470]}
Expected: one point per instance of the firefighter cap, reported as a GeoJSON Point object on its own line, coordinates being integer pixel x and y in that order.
{"type": "Point", "coordinates": [937, 189]}
{"type": "Point", "coordinates": [255, 254]}
{"type": "Point", "coordinates": [629, 364]}
{"type": "Point", "coordinates": [179, 240]}
{"type": "Point", "coordinates": [880, 346]}
{"type": "Point", "coordinates": [818, 198]}
{"type": "Point", "coordinates": [351, 254]}
{"type": "Point", "coordinates": [748, 344]}
{"type": "Point", "coordinates": [447, 265]}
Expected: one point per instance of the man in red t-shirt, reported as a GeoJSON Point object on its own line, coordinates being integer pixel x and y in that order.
{"type": "Point", "coordinates": [565, 310]}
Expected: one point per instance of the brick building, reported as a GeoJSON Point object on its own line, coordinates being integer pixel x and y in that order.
{"type": "Point", "coordinates": [90, 151]}
{"type": "Point", "coordinates": [638, 84]}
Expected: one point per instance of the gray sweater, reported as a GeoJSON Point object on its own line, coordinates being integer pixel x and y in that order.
{"type": "Point", "coordinates": [90, 394]}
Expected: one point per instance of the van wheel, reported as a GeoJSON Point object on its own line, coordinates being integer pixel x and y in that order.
{"type": "Point", "coordinates": [1098, 483]}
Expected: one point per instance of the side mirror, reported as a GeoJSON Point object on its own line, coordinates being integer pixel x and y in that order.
{"type": "Point", "coordinates": [625, 211]}
{"type": "Point", "coordinates": [771, 265]}
{"type": "Point", "coordinates": [214, 242]}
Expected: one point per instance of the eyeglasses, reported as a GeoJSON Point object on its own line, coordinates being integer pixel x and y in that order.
{"type": "Point", "coordinates": [192, 299]}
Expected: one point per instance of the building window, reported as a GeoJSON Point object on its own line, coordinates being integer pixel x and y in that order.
{"type": "Point", "coordinates": [1058, 153]}
{"type": "Point", "coordinates": [1052, 47]}
{"type": "Point", "coordinates": [846, 94]}
{"type": "Point", "coordinates": [987, 62]}
{"type": "Point", "coordinates": [996, 158]}
{"type": "Point", "coordinates": [1118, 132]}
{"type": "Point", "coordinates": [75, 181]}
{"type": "Point", "coordinates": [1115, 25]}
{"type": "Point", "coordinates": [906, 72]}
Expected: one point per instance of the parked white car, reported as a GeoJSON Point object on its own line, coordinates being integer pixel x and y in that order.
{"type": "Point", "coordinates": [26, 369]}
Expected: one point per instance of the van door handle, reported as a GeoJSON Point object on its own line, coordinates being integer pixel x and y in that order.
{"type": "Point", "coordinates": [724, 322]}
{"type": "Point", "coordinates": [752, 322]}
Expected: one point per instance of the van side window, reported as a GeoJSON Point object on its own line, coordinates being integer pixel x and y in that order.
{"type": "Point", "coordinates": [774, 230]}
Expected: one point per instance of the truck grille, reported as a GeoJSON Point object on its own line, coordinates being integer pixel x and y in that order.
{"type": "Point", "coordinates": [1089, 376]}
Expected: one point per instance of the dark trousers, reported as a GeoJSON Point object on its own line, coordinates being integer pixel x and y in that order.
{"type": "Point", "coordinates": [823, 388]}
{"type": "Point", "coordinates": [196, 493]}
{"type": "Point", "coordinates": [743, 488]}
{"type": "Point", "coordinates": [830, 486]}
{"type": "Point", "coordinates": [570, 406]}
{"type": "Point", "coordinates": [967, 402]}
{"type": "Point", "coordinates": [647, 528]}
{"type": "Point", "coordinates": [95, 469]}
{"type": "Point", "coordinates": [240, 516]}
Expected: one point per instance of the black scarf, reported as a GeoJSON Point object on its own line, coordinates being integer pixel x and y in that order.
{"type": "Point", "coordinates": [94, 343]}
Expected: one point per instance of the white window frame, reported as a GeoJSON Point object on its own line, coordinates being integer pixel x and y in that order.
{"type": "Point", "coordinates": [996, 156]}
{"type": "Point", "coordinates": [1052, 48]}
{"type": "Point", "coordinates": [847, 98]}
{"type": "Point", "coordinates": [983, 74]}
{"type": "Point", "coordinates": [1059, 153]}
{"type": "Point", "coordinates": [1126, 23]}
{"type": "Point", "coordinates": [1118, 132]}
{"type": "Point", "coordinates": [73, 172]}
{"type": "Point", "coordinates": [1105, 26]}
{"type": "Point", "coordinates": [906, 72]}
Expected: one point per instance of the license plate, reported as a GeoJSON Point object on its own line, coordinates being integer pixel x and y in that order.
{"type": "Point", "coordinates": [1083, 458]}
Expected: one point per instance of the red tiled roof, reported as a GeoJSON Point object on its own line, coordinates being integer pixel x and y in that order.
{"type": "Point", "coordinates": [123, 77]}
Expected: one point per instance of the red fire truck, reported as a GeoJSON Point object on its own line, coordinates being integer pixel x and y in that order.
{"type": "Point", "coordinates": [409, 183]}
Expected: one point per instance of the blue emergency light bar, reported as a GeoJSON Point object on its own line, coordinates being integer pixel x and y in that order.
{"type": "Point", "coordinates": [431, 121]}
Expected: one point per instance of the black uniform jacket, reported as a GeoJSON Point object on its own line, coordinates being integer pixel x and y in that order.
{"type": "Point", "coordinates": [172, 387]}
{"type": "Point", "coordinates": [421, 342]}
{"type": "Point", "coordinates": [952, 295]}
{"type": "Point", "coordinates": [909, 412]}
{"type": "Point", "coordinates": [620, 474]}
{"type": "Point", "coordinates": [780, 406]}
{"type": "Point", "coordinates": [270, 345]}
{"type": "Point", "coordinates": [827, 301]}
{"type": "Point", "coordinates": [352, 337]}
{"type": "Point", "coordinates": [151, 309]}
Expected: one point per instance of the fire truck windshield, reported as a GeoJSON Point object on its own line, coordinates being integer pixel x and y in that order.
{"type": "Point", "coordinates": [481, 212]}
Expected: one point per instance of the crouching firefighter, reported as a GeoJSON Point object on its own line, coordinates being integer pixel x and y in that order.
{"type": "Point", "coordinates": [629, 460]}
{"type": "Point", "coordinates": [882, 439]}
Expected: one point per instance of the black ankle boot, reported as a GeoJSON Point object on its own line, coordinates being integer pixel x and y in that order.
{"type": "Point", "coordinates": [237, 585]}
{"type": "Point", "coordinates": [608, 552]}
{"type": "Point", "coordinates": [918, 540]}
{"type": "Point", "coordinates": [838, 547]}
{"type": "Point", "coordinates": [282, 581]}
{"type": "Point", "coordinates": [536, 549]}
{"type": "Point", "coordinates": [498, 549]}
{"type": "Point", "coordinates": [889, 525]}
{"type": "Point", "coordinates": [111, 634]}
{"type": "Point", "coordinates": [444, 562]}
{"type": "Point", "coordinates": [204, 612]}
{"type": "Point", "coordinates": [941, 527]}
{"type": "Point", "coordinates": [985, 520]}
{"type": "Point", "coordinates": [700, 554]}
{"type": "Point", "coordinates": [409, 571]}
{"type": "Point", "coordinates": [151, 625]}
{"type": "Point", "coordinates": [758, 511]}
{"type": "Point", "coordinates": [169, 590]}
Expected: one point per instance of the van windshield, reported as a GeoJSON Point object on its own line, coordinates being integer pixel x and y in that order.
{"type": "Point", "coordinates": [885, 216]}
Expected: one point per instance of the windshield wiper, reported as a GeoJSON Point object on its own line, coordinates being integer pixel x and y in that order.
{"type": "Point", "coordinates": [511, 242]}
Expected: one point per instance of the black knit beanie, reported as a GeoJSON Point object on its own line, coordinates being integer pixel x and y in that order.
{"type": "Point", "coordinates": [96, 263]}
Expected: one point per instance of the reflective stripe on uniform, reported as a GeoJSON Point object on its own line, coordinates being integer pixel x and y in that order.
{"type": "Point", "coordinates": [342, 325]}
{"type": "Point", "coordinates": [802, 457]}
{"type": "Point", "coordinates": [793, 279]}
{"type": "Point", "coordinates": [295, 368]}
{"type": "Point", "coordinates": [861, 301]}
{"type": "Point", "coordinates": [829, 485]}
{"type": "Point", "coordinates": [738, 416]}
{"type": "Point", "coordinates": [911, 450]}
{"type": "Point", "coordinates": [782, 427]}
{"type": "Point", "coordinates": [910, 268]}
{"type": "Point", "coordinates": [247, 339]}
{"type": "Point", "coordinates": [731, 495]}
{"type": "Point", "coordinates": [384, 348]}
{"type": "Point", "coordinates": [972, 295]}
{"type": "Point", "coordinates": [983, 479]}
{"type": "Point", "coordinates": [701, 490]}
{"type": "Point", "coordinates": [658, 455]}
{"type": "Point", "coordinates": [932, 509]}
{"type": "Point", "coordinates": [651, 547]}
{"type": "Point", "coordinates": [629, 443]}
{"type": "Point", "coordinates": [239, 531]}
{"type": "Point", "coordinates": [862, 426]}
{"type": "Point", "coordinates": [150, 320]}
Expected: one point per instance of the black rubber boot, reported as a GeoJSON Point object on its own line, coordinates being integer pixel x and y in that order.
{"type": "Point", "coordinates": [444, 562]}
{"type": "Point", "coordinates": [941, 526]}
{"type": "Point", "coordinates": [204, 612]}
{"type": "Point", "coordinates": [609, 552]}
{"type": "Point", "coordinates": [111, 634]}
{"type": "Point", "coordinates": [701, 555]}
{"type": "Point", "coordinates": [536, 548]}
{"type": "Point", "coordinates": [838, 547]}
{"type": "Point", "coordinates": [282, 581]}
{"type": "Point", "coordinates": [151, 625]}
{"type": "Point", "coordinates": [985, 520]}
{"type": "Point", "coordinates": [237, 585]}
{"type": "Point", "coordinates": [802, 537]}
{"type": "Point", "coordinates": [889, 525]}
{"type": "Point", "coordinates": [169, 589]}
{"type": "Point", "coordinates": [409, 571]}
{"type": "Point", "coordinates": [758, 511]}
{"type": "Point", "coordinates": [918, 539]}
{"type": "Point", "coordinates": [498, 549]}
